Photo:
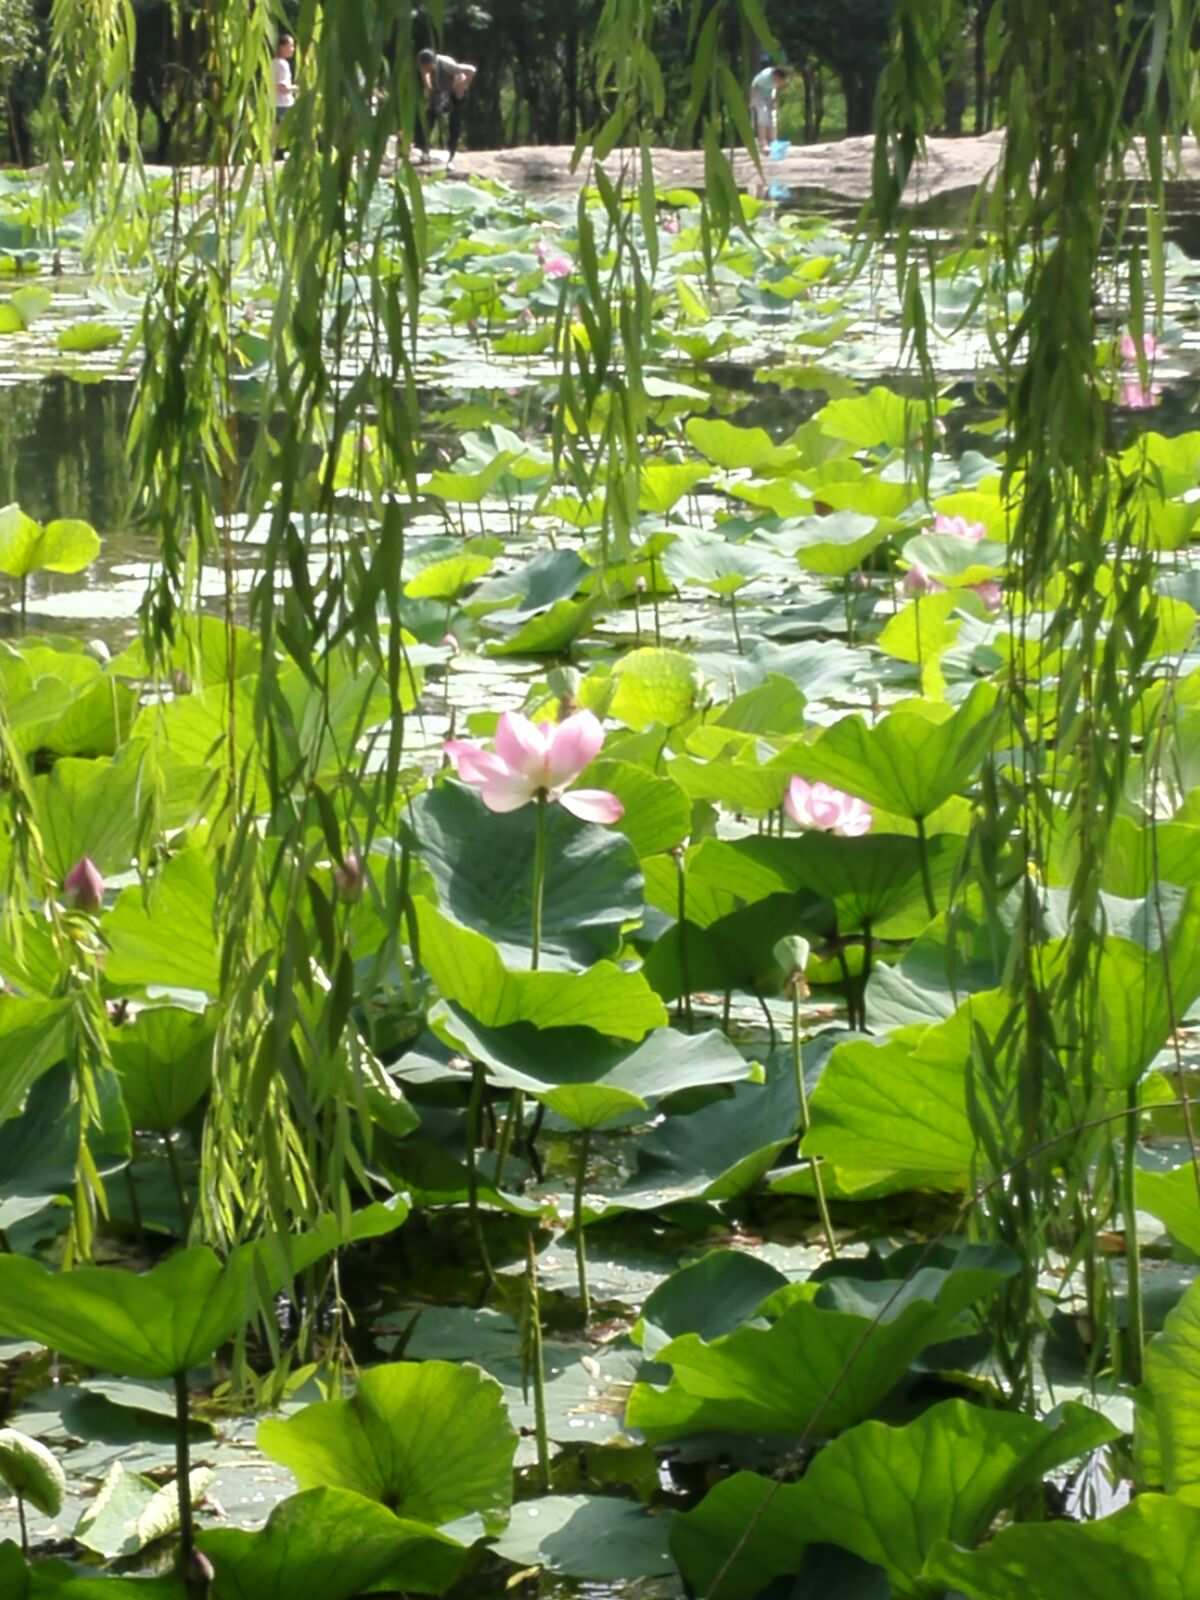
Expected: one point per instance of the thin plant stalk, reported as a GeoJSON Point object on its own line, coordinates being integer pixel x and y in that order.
{"type": "Point", "coordinates": [516, 1104]}
{"type": "Point", "coordinates": [474, 1126]}
{"type": "Point", "coordinates": [183, 1483]}
{"type": "Point", "coordinates": [538, 1368]}
{"type": "Point", "coordinates": [684, 1008]}
{"type": "Point", "coordinates": [21, 1523]}
{"type": "Point", "coordinates": [585, 1141]}
{"type": "Point", "coordinates": [926, 875]}
{"type": "Point", "coordinates": [802, 1095]}
{"type": "Point", "coordinates": [177, 1181]}
{"type": "Point", "coordinates": [1135, 1333]}
{"type": "Point", "coordinates": [737, 632]}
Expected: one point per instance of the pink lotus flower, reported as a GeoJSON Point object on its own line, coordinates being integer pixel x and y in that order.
{"type": "Point", "coordinates": [537, 758]}
{"type": "Point", "coordinates": [1135, 396]}
{"type": "Point", "coordinates": [820, 806]}
{"type": "Point", "coordinates": [1131, 350]}
{"type": "Point", "coordinates": [670, 223]}
{"type": "Point", "coordinates": [918, 582]}
{"type": "Point", "coordinates": [990, 592]}
{"type": "Point", "coordinates": [556, 267]}
{"type": "Point", "coordinates": [959, 528]}
{"type": "Point", "coordinates": [83, 886]}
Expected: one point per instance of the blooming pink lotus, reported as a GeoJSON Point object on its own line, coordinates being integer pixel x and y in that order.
{"type": "Point", "coordinates": [917, 581]}
{"type": "Point", "coordinates": [1132, 350]}
{"type": "Point", "coordinates": [820, 806]}
{"type": "Point", "coordinates": [537, 758]}
{"type": "Point", "coordinates": [554, 263]}
{"type": "Point", "coordinates": [83, 886]}
{"type": "Point", "coordinates": [959, 528]}
{"type": "Point", "coordinates": [990, 592]}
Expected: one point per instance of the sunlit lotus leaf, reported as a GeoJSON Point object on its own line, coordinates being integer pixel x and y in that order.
{"type": "Point", "coordinates": [430, 1440]}
{"type": "Point", "coordinates": [589, 1081]}
{"type": "Point", "coordinates": [27, 1468]}
{"type": "Point", "coordinates": [468, 969]}
{"type": "Point", "coordinates": [655, 685]}
{"type": "Point", "coordinates": [550, 632]}
{"type": "Point", "coordinates": [955, 562]}
{"type": "Point", "coordinates": [536, 585]}
{"type": "Point", "coordinates": [1172, 1378]}
{"type": "Point", "coordinates": [86, 338]}
{"type": "Point", "coordinates": [330, 1544]}
{"type": "Point", "coordinates": [131, 1511]}
{"type": "Point", "coordinates": [444, 580]}
{"type": "Point", "coordinates": [826, 1362]}
{"type": "Point", "coordinates": [26, 546]}
{"type": "Point", "coordinates": [909, 762]}
{"type": "Point", "coordinates": [901, 1103]}
{"type": "Point", "coordinates": [980, 504]}
{"type": "Point", "coordinates": [871, 496]}
{"type": "Point", "coordinates": [887, 1494]}
{"type": "Point", "coordinates": [595, 1537]}
{"type": "Point", "coordinates": [786, 497]}
{"type": "Point", "coordinates": [1149, 1550]}
{"type": "Point", "coordinates": [1172, 463]}
{"type": "Point", "coordinates": [879, 418]}
{"type": "Point", "coordinates": [733, 447]}
{"type": "Point", "coordinates": [203, 647]}
{"type": "Point", "coordinates": [174, 1317]}
{"type": "Point", "coordinates": [39, 1148]}
{"type": "Point", "coordinates": [469, 488]}
{"type": "Point", "coordinates": [163, 1057]}
{"type": "Point", "coordinates": [663, 483]}
{"type": "Point", "coordinates": [657, 812]}
{"type": "Point", "coordinates": [1174, 1198]}
{"type": "Point", "coordinates": [716, 564]}
{"type": "Point", "coordinates": [923, 630]}
{"type": "Point", "coordinates": [832, 545]}
{"type": "Point", "coordinates": [167, 938]}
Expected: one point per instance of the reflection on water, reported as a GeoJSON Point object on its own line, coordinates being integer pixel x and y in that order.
{"type": "Point", "coordinates": [62, 450]}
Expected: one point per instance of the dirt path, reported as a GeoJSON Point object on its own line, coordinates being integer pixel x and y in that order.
{"type": "Point", "coordinates": [842, 167]}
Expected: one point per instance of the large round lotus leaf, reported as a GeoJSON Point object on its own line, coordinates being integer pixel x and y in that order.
{"type": "Point", "coordinates": [655, 686]}
{"type": "Point", "coordinates": [482, 864]}
{"type": "Point", "coordinates": [430, 1440]}
{"type": "Point", "coordinates": [330, 1544]}
{"type": "Point", "coordinates": [31, 1471]}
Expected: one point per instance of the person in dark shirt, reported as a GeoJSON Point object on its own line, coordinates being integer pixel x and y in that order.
{"type": "Point", "coordinates": [446, 83]}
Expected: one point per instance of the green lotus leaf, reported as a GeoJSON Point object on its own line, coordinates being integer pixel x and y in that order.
{"type": "Point", "coordinates": [430, 1440]}
{"type": "Point", "coordinates": [1173, 1382]}
{"type": "Point", "coordinates": [911, 761]}
{"type": "Point", "coordinates": [27, 1468]}
{"type": "Point", "coordinates": [86, 338]}
{"type": "Point", "coordinates": [716, 564]}
{"type": "Point", "coordinates": [657, 813]}
{"type": "Point", "coordinates": [158, 1323]}
{"type": "Point", "coordinates": [734, 448]}
{"type": "Point", "coordinates": [132, 1511]}
{"type": "Point", "coordinates": [536, 585]}
{"type": "Point", "coordinates": [832, 546]}
{"type": "Point", "coordinates": [708, 1297]}
{"type": "Point", "coordinates": [468, 969]}
{"type": "Point", "coordinates": [90, 808]}
{"type": "Point", "coordinates": [956, 562]}
{"type": "Point", "coordinates": [662, 484]}
{"type": "Point", "coordinates": [878, 418]}
{"type": "Point", "coordinates": [655, 685]}
{"type": "Point", "coordinates": [168, 939]}
{"type": "Point", "coordinates": [26, 546]}
{"type": "Point", "coordinates": [330, 1544]}
{"type": "Point", "coordinates": [886, 1494]}
{"type": "Point", "coordinates": [32, 1040]}
{"type": "Point", "coordinates": [1172, 1198]}
{"type": "Point", "coordinates": [446, 579]}
{"type": "Point", "coordinates": [163, 1058]}
{"type": "Point", "coordinates": [592, 1537]}
{"type": "Point", "coordinates": [587, 1080]}
{"type": "Point", "coordinates": [469, 488]}
{"type": "Point", "coordinates": [39, 1149]}
{"type": "Point", "coordinates": [551, 632]}
{"type": "Point", "coordinates": [204, 647]}
{"type": "Point", "coordinates": [1150, 1550]}
{"type": "Point", "coordinates": [818, 1366]}
{"type": "Point", "coordinates": [482, 867]}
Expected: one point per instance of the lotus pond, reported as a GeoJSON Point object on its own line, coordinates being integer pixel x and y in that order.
{"type": "Point", "coordinates": [622, 1068]}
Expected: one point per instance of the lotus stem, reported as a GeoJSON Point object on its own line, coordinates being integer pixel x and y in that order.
{"type": "Point", "coordinates": [539, 879]}
{"type": "Point", "coordinates": [926, 876]}
{"type": "Point", "coordinates": [177, 1181]}
{"type": "Point", "coordinates": [474, 1129]}
{"type": "Point", "coordinates": [541, 1431]}
{"type": "Point", "coordinates": [21, 1521]}
{"type": "Point", "coordinates": [684, 1008]}
{"type": "Point", "coordinates": [654, 601]}
{"type": "Point", "coordinates": [183, 1484]}
{"type": "Point", "coordinates": [1135, 1333]}
{"type": "Point", "coordinates": [737, 633]}
{"type": "Point", "coordinates": [585, 1142]}
{"type": "Point", "coordinates": [802, 1097]}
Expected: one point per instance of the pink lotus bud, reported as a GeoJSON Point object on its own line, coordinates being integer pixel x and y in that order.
{"type": "Point", "coordinates": [525, 314]}
{"type": "Point", "coordinates": [918, 582]}
{"type": "Point", "coordinates": [1137, 397]}
{"type": "Point", "coordinates": [556, 267]}
{"type": "Point", "coordinates": [199, 1574]}
{"type": "Point", "coordinates": [449, 642]}
{"type": "Point", "coordinates": [990, 592]}
{"type": "Point", "coordinates": [1130, 352]}
{"type": "Point", "coordinates": [670, 223]}
{"type": "Point", "coordinates": [959, 528]}
{"type": "Point", "coordinates": [84, 887]}
{"type": "Point", "coordinates": [859, 581]}
{"type": "Point", "coordinates": [349, 878]}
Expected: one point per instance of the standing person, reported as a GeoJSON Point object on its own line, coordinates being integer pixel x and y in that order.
{"type": "Point", "coordinates": [764, 96]}
{"type": "Point", "coordinates": [446, 83]}
{"type": "Point", "coordinates": [281, 68]}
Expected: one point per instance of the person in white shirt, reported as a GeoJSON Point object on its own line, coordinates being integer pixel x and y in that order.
{"type": "Point", "coordinates": [764, 93]}
{"type": "Point", "coordinates": [281, 67]}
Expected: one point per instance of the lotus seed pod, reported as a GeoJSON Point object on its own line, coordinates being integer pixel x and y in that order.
{"type": "Point", "coordinates": [31, 1471]}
